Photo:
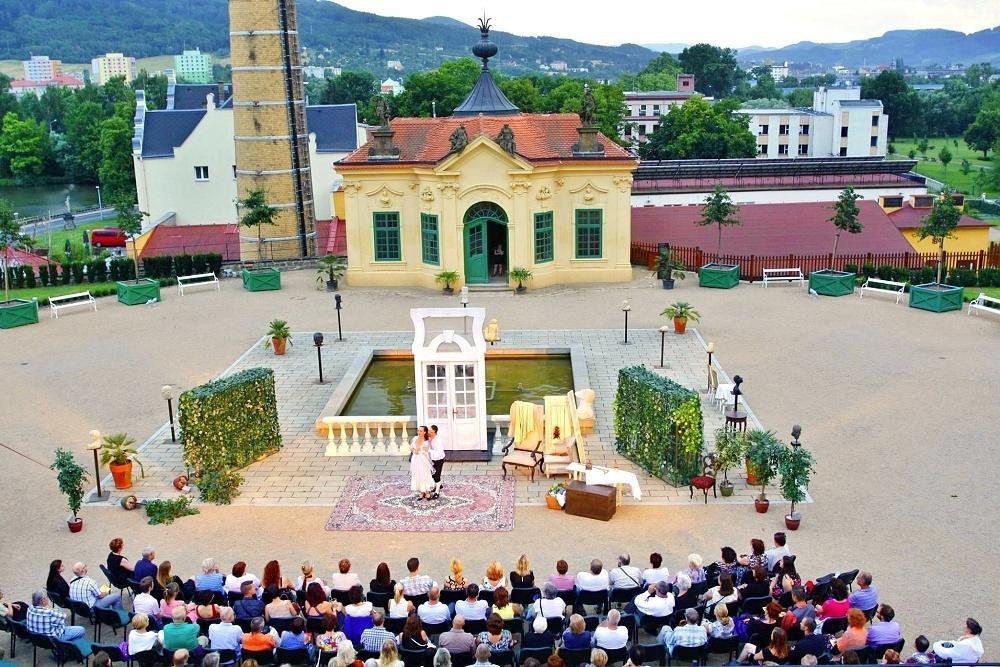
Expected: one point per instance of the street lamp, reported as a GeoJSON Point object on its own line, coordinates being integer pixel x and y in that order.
{"type": "Point", "coordinates": [318, 342]}
{"type": "Point", "coordinates": [464, 298]}
{"type": "Point", "coordinates": [100, 205]}
{"type": "Point", "coordinates": [663, 341]}
{"type": "Point", "coordinates": [94, 446]}
{"type": "Point", "coordinates": [796, 432]}
{"type": "Point", "coordinates": [168, 392]}
{"type": "Point", "coordinates": [626, 306]}
{"type": "Point", "coordinates": [338, 300]}
{"type": "Point", "coordinates": [710, 348]}
{"type": "Point", "coordinates": [737, 381]}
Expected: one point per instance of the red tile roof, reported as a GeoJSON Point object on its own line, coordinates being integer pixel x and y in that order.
{"type": "Point", "coordinates": [193, 239]}
{"type": "Point", "coordinates": [769, 229]}
{"type": "Point", "coordinates": [21, 258]}
{"type": "Point", "coordinates": [331, 237]}
{"type": "Point", "coordinates": [732, 184]}
{"type": "Point", "coordinates": [539, 138]}
{"type": "Point", "coordinates": [911, 218]}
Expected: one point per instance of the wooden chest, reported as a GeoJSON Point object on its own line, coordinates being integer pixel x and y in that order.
{"type": "Point", "coordinates": [591, 501]}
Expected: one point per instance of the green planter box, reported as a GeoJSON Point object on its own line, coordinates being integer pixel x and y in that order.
{"type": "Point", "coordinates": [135, 294]}
{"type": "Point", "coordinates": [719, 276]}
{"type": "Point", "coordinates": [937, 298]}
{"type": "Point", "coordinates": [17, 313]}
{"type": "Point", "coordinates": [832, 283]}
{"type": "Point", "coordinates": [261, 280]}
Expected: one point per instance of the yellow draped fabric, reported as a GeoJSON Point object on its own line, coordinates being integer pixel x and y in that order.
{"type": "Point", "coordinates": [557, 413]}
{"type": "Point", "coordinates": [524, 420]}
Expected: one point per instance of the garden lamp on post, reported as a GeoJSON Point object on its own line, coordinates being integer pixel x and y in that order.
{"type": "Point", "coordinates": [318, 342]}
{"type": "Point", "coordinates": [626, 306]}
{"type": "Point", "coordinates": [492, 332]}
{"type": "Point", "coordinates": [95, 446]}
{"type": "Point", "coordinates": [796, 432]}
{"type": "Point", "coordinates": [710, 348]}
{"type": "Point", "coordinates": [663, 343]}
{"type": "Point", "coordinates": [339, 301]}
{"type": "Point", "coordinates": [168, 391]}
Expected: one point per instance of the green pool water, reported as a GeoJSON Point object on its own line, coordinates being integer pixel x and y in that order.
{"type": "Point", "coordinates": [387, 386]}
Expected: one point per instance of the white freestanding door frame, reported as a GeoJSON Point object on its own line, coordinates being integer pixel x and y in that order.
{"type": "Point", "coordinates": [451, 383]}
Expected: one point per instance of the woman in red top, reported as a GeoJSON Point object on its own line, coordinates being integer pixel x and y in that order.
{"type": "Point", "coordinates": [837, 604]}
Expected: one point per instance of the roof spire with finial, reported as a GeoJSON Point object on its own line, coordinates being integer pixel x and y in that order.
{"type": "Point", "coordinates": [486, 98]}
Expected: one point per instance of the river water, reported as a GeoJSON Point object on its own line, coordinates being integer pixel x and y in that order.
{"type": "Point", "coordinates": [31, 200]}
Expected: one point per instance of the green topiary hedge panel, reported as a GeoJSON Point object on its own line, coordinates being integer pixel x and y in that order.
{"type": "Point", "coordinates": [658, 425]}
{"type": "Point", "coordinates": [230, 422]}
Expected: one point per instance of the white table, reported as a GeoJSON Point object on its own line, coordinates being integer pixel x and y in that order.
{"type": "Point", "coordinates": [607, 477]}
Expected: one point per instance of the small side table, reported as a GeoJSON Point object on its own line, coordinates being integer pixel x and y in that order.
{"type": "Point", "coordinates": [737, 420]}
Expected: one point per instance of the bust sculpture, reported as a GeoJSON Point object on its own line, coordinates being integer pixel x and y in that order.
{"type": "Point", "coordinates": [459, 139]}
{"type": "Point", "coordinates": [506, 139]}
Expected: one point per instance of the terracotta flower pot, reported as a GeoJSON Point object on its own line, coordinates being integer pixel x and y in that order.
{"type": "Point", "coordinates": [751, 474]}
{"type": "Point", "coordinates": [761, 504]}
{"type": "Point", "coordinates": [122, 475]}
{"type": "Point", "coordinates": [680, 324]}
{"type": "Point", "coordinates": [75, 524]}
{"type": "Point", "coordinates": [792, 522]}
{"type": "Point", "coordinates": [279, 345]}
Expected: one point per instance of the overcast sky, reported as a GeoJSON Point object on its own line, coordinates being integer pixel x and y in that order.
{"type": "Point", "coordinates": [724, 22]}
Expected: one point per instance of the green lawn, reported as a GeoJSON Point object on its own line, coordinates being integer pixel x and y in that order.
{"type": "Point", "coordinates": [932, 167]}
{"type": "Point", "coordinates": [992, 219]}
{"type": "Point", "coordinates": [75, 236]}
{"type": "Point", "coordinates": [58, 290]}
{"type": "Point", "coordinates": [972, 292]}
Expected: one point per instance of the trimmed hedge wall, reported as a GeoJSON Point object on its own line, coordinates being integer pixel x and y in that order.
{"type": "Point", "coordinates": [658, 425]}
{"type": "Point", "coordinates": [230, 422]}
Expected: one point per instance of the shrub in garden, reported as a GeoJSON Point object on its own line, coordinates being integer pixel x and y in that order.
{"type": "Point", "coordinates": [17, 273]}
{"type": "Point", "coordinates": [884, 271]}
{"type": "Point", "coordinates": [183, 265]}
{"type": "Point", "coordinates": [100, 271]}
{"type": "Point", "coordinates": [989, 277]}
{"type": "Point", "coordinates": [850, 267]}
{"type": "Point", "coordinates": [123, 268]}
{"type": "Point", "coordinates": [29, 276]}
{"type": "Point", "coordinates": [868, 270]}
{"type": "Point", "coordinates": [963, 278]}
{"type": "Point", "coordinates": [215, 263]}
{"type": "Point", "coordinates": [43, 275]}
{"type": "Point", "coordinates": [92, 271]}
{"type": "Point", "coordinates": [66, 272]}
{"type": "Point", "coordinates": [77, 272]}
{"type": "Point", "coordinates": [900, 274]}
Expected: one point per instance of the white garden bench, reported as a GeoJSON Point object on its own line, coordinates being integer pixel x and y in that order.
{"type": "Point", "coordinates": [57, 303]}
{"type": "Point", "coordinates": [989, 304]}
{"type": "Point", "coordinates": [197, 280]}
{"type": "Point", "coordinates": [885, 287]}
{"type": "Point", "coordinates": [784, 276]}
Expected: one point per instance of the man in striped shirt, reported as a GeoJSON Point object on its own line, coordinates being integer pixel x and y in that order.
{"type": "Point", "coordinates": [84, 589]}
{"type": "Point", "coordinates": [372, 638]}
{"type": "Point", "coordinates": [44, 620]}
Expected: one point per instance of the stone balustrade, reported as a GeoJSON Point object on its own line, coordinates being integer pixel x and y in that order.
{"type": "Point", "coordinates": [389, 435]}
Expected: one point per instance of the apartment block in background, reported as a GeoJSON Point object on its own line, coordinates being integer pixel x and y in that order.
{"type": "Point", "coordinates": [106, 67]}
{"type": "Point", "coordinates": [193, 66]}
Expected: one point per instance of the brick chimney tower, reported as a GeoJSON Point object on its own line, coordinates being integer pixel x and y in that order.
{"type": "Point", "coordinates": [272, 144]}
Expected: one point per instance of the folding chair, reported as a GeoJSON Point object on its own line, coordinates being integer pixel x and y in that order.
{"type": "Point", "coordinates": [524, 596]}
{"type": "Point", "coordinates": [596, 598]}
{"type": "Point", "coordinates": [719, 646]}
{"type": "Point", "coordinates": [262, 657]}
{"type": "Point", "coordinates": [651, 652]}
{"type": "Point", "coordinates": [292, 656]}
{"type": "Point", "coordinates": [689, 654]}
{"type": "Point", "coordinates": [620, 596]}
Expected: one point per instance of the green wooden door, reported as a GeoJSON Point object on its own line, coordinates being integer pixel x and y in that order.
{"type": "Point", "coordinates": [476, 267]}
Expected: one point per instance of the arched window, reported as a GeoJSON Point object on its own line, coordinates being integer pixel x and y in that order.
{"type": "Point", "coordinates": [485, 209]}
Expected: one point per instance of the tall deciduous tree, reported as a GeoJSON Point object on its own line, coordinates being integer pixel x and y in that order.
{"type": "Point", "coordinates": [715, 70]}
{"type": "Point", "coordinates": [349, 88]}
{"type": "Point", "coordinates": [699, 130]}
{"type": "Point", "coordinates": [130, 222]}
{"type": "Point", "coordinates": [940, 224]}
{"type": "Point", "coordinates": [719, 210]}
{"type": "Point", "coordinates": [10, 238]}
{"type": "Point", "coordinates": [899, 101]}
{"type": "Point", "coordinates": [985, 129]}
{"type": "Point", "coordinates": [22, 147]}
{"type": "Point", "coordinates": [945, 156]}
{"type": "Point", "coordinates": [845, 216]}
{"type": "Point", "coordinates": [442, 89]}
{"type": "Point", "coordinates": [257, 213]}
{"type": "Point", "coordinates": [116, 170]}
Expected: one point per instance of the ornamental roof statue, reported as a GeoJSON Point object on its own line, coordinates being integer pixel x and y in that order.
{"type": "Point", "coordinates": [486, 97]}
{"type": "Point", "coordinates": [459, 139]}
{"type": "Point", "coordinates": [506, 139]}
{"type": "Point", "coordinates": [588, 107]}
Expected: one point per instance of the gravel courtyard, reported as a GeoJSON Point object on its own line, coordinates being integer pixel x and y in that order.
{"type": "Point", "coordinates": [899, 406]}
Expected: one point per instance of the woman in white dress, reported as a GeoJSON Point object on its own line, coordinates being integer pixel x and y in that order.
{"type": "Point", "coordinates": [421, 468]}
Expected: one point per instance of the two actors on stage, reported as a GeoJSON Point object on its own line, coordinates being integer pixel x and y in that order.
{"type": "Point", "coordinates": [426, 462]}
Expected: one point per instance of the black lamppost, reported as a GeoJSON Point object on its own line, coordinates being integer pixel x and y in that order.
{"type": "Point", "coordinates": [94, 446]}
{"type": "Point", "coordinates": [336, 297]}
{"type": "Point", "coordinates": [796, 432]}
{"type": "Point", "coordinates": [167, 391]}
{"type": "Point", "coordinates": [626, 306]}
{"type": "Point", "coordinates": [737, 381]}
{"type": "Point", "coordinates": [710, 348]}
{"type": "Point", "coordinates": [663, 343]}
{"type": "Point", "coordinates": [318, 342]}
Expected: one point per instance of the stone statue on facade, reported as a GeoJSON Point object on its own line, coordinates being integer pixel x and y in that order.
{"type": "Point", "coordinates": [382, 111]}
{"type": "Point", "coordinates": [588, 107]}
{"type": "Point", "coordinates": [506, 139]}
{"type": "Point", "coordinates": [459, 139]}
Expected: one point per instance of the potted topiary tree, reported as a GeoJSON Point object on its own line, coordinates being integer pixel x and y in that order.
{"type": "Point", "coordinates": [763, 452]}
{"type": "Point", "coordinates": [140, 290]}
{"type": "Point", "coordinates": [278, 336]}
{"type": "Point", "coordinates": [719, 210]}
{"type": "Point", "coordinates": [118, 453]}
{"type": "Point", "coordinates": [831, 282]}
{"type": "Point", "coordinates": [71, 477]}
{"type": "Point", "coordinates": [257, 214]}
{"type": "Point", "coordinates": [446, 278]}
{"type": "Point", "coordinates": [332, 269]}
{"type": "Point", "coordinates": [795, 466]}
{"type": "Point", "coordinates": [680, 312]}
{"type": "Point", "coordinates": [668, 268]}
{"type": "Point", "coordinates": [730, 448]}
{"type": "Point", "coordinates": [521, 275]}
{"type": "Point", "coordinates": [938, 226]}
{"type": "Point", "coordinates": [13, 312]}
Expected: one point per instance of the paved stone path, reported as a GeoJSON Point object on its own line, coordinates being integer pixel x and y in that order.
{"type": "Point", "coordinates": [301, 475]}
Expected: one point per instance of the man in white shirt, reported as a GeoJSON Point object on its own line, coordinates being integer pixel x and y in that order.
{"type": "Point", "coordinates": [144, 603]}
{"type": "Point", "coordinates": [595, 580]}
{"type": "Point", "coordinates": [967, 648]}
{"type": "Point", "coordinates": [657, 572]}
{"type": "Point", "coordinates": [779, 551]}
{"type": "Point", "coordinates": [436, 443]}
{"type": "Point", "coordinates": [658, 601]}
{"type": "Point", "coordinates": [344, 580]}
{"type": "Point", "coordinates": [625, 575]}
{"type": "Point", "coordinates": [610, 635]}
{"type": "Point", "coordinates": [472, 608]}
{"type": "Point", "coordinates": [225, 635]}
{"type": "Point", "coordinates": [434, 611]}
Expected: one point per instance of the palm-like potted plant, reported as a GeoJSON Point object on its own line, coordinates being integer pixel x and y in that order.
{"type": "Point", "coordinates": [730, 448]}
{"type": "Point", "coordinates": [795, 466]}
{"type": "Point", "coordinates": [71, 477]}
{"type": "Point", "coordinates": [331, 268]}
{"type": "Point", "coordinates": [118, 453]}
{"type": "Point", "coordinates": [668, 268]}
{"type": "Point", "coordinates": [680, 312]}
{"type": "Point", "coordinates": [446, 278]}
{"type": "Point", "coordinates": [278, 336]}
{"type": "Point", "coordinates": [763, 452]}
{"type": "Point", "coordinates": [521, 275]}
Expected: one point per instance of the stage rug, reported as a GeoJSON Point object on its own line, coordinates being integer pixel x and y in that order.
{"type": "Point", "coordinates": [466, 504]}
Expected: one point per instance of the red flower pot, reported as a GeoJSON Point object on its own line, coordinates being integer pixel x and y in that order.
{"type": "Point", "coordinates": [761, 504]}
{"type": "Point", "coordinates": [751, 474]}
{"type": "Point", "coordinates": [75, 525]}
{"type": "Point", "coordinates": [792, 523]}
{"type": "Point", "coordinates": [279, 345]}
{"type": "Point", "coordinates": [680, 324]}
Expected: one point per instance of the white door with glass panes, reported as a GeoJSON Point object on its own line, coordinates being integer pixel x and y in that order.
{"type": "Point", "coordinates": [451, 391]}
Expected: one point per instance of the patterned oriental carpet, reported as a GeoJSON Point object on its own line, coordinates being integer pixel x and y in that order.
{"type": "Point", "coordinates": [466, 504]}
